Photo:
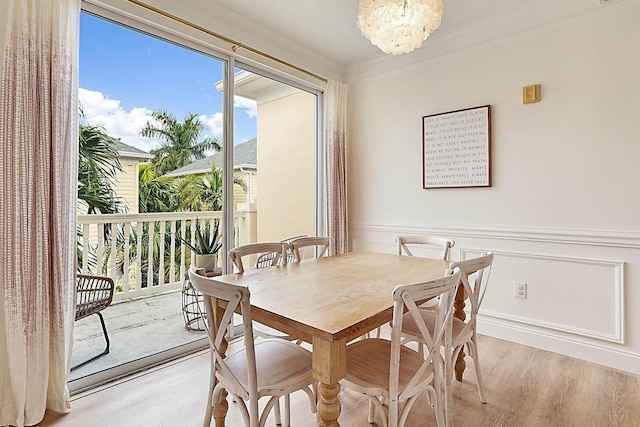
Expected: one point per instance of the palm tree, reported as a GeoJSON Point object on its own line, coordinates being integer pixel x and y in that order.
{"type": "Point", "coordinates": [204, 193]}
{"type": "Point", "coordinates": [156, 193]}
{"type": "Point", "coordinates": [181, 143]}
{"type": "Point", "coordinates": [98, 163]}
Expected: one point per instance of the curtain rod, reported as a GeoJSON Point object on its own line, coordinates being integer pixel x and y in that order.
{"type": "Point", "coordinates": [235, 44]}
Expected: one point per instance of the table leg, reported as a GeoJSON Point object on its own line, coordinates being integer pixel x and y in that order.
{"type": "Point", "coordinates": [459, 313]}
{"type": "Point", "coordinates": [329, 367]}
{"type": "Point", "coordinates": [220, 411]}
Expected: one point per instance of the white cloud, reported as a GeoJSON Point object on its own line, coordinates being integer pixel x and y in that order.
{"type": "Point", "coordinates": [126, 125]}
{"type": "Point", "coordinates": [214, 123]}
{"type": "Point", "coordinates": [117, 122]}
{"type": "Point", "coordinates": [249, 105]}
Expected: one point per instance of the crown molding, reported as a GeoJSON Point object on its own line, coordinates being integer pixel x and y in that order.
{"type": "Point", "coordinates": [481, 33]}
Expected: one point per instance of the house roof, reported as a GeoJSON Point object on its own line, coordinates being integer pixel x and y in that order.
{"type": "Point", "coordinates": [130, 152]}
{"type": "Point", "coordinates": [244, 156]}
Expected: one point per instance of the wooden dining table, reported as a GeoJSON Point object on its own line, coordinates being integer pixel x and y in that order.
{"type": "Point", "coordinates": [329, 302]}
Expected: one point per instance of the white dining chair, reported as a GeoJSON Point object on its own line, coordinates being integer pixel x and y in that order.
{"type": "Point", "coordinates": [324, 246]}
{"type": "Point", "coordinates": [474, 279]}
{"type": "Point", "coordinates": [269, 368]}
{"type": "Point", "coordinates": [276, 252]}
{"type": "Point", "coordinates": [390, 373]}
{"type": "Point", "coordinates": [266, 259]}
{"type": "Point", "coordinates": [406, 243]}
{"type": "Point", "coordinates": [267, 254]}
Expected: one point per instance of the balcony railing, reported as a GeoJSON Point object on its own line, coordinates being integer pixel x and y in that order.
{"type": "Point", "coordinates": [142, 252]}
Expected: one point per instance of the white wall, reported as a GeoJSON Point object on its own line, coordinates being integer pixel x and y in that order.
{"type": "Point", "coordinates": [563, 213]}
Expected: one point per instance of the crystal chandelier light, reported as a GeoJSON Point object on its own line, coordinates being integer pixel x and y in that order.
{"type": "Point", "coordinates": [399, 26]}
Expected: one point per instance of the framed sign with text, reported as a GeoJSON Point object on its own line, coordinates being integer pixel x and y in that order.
{"type": "Point", "coordinates": [456, 148]}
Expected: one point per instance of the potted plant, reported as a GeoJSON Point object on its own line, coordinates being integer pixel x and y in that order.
{"type": "Point", "coordinates": [207, 243]}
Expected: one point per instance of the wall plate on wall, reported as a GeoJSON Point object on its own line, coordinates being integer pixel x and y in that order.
{"type": "Point", "coordinates": [531, 94]}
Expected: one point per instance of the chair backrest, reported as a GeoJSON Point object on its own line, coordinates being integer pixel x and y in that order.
{"type": "Point", "coordinates": [93, 294]}
{"type": "Point", "coordinates": [265, 260]}
{"type": "Point", "coordinates": [272, 250]}
{"type": "Point", "coordinates": [475, 277]}
{"type": "Point", "coordinates": [405, 300]}
{"type": "Point", "coordinates": [324, 245]}
{"type": "Point", "coordinates": [237, 298]}
{"type": "Point", "coordinates": [405, 241]}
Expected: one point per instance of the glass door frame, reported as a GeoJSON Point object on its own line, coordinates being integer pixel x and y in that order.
{"type": "Point", "coordinates": [154, 28]}
{"type": "Point", "coordinates": [319, 149]}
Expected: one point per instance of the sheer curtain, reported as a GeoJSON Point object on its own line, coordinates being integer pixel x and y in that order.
{"type": "Point", "coordinates": [38, 173]}
{"type": "Point", "coordinates": [336, 136]}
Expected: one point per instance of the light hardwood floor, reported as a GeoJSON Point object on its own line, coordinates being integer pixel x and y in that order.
{"type": "Point", "coordinates": [524, 387]}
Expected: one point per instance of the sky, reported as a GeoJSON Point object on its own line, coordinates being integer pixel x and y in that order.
{"type": "Point", "coordinates": [126, 75]}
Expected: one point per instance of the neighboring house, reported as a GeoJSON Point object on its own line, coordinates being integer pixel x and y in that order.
{"type": "Point", "coordinates": [126, 182]}
{"type": "Point", "coordinates": [244, 167]}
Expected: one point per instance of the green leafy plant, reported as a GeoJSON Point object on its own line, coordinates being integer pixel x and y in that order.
{"type": "Point", "coordinates": [206, 239]}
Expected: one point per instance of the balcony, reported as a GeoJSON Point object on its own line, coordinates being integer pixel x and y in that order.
{"type": "Point", "coordinates": [137, 327]}
{"type": "Point", "coordinates": [146, 315]}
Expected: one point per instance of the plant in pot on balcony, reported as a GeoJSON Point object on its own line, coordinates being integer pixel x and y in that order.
{"type": "Point", "coordinates": [207, 242]}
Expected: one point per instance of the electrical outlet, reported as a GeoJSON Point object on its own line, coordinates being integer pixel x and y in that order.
{"type": "Point", "coordinates": [520, 290]}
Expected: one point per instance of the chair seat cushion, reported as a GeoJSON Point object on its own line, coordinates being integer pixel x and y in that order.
{"type": "Point", "coordinates": [368, 364]}
{"type": "Point", "coordinates": [279, 364]}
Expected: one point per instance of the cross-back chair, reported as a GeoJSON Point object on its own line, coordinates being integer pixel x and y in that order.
{"type": "Point", "coordinates": [269, 368]}
{"type": "Point", "coordinates": [405, 243]}
{"type": "Point", "coordinates": [269, 254]}
{"type": "Point", "coordinates": [387, 371]}
{"type": "Point", "coordinates": [474, 279]}
{"type": "Point", "coordinates": [266, 259]}
{"type": "Point", "coordinates": [271, 251]}
{"type": "Point", "coordinates": [324, 245]}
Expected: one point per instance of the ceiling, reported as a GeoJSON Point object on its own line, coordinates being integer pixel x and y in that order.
{"type": "Point", "coordinates": [328, 27]}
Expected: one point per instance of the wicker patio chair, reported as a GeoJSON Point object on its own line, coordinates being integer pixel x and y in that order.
{"type": "Point", "coordinates": [93, 294]}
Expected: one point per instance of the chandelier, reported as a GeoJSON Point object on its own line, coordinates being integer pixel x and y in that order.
{"type": "Point", "coordinates": [399, 26]}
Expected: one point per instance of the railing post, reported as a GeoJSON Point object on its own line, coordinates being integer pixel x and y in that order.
{"type": "Point", "coordinates": [247, 224]}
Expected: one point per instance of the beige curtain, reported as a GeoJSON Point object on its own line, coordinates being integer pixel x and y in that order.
{"type": "Point", "coordinates": [336, 136]}
{"type": "Point", "coordinates": [38, 173]}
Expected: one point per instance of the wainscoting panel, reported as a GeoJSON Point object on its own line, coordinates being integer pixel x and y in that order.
{"type": "Point", "coordinates": [583, 293]}
{"type": "Point", "coordinates": [578, 296]}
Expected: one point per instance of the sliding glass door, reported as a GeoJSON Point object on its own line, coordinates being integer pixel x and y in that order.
{"type": "Point", "coordinates": [183, 141]}
{"type": "Point", "coordinates": [151, 127]}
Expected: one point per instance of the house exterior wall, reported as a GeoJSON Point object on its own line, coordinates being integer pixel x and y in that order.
{"type": "Point", "coordinates": [286, 164]}
{"type": "Point", "coordinates": [562, 214]}
{"type": "Point", "coordinates": [126, 184]}
{"type": "Point", "coordinates": [251, 194]}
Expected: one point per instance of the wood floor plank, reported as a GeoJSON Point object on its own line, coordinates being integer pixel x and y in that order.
{"type": "Point", "coordinates": [611, 390]}
{"type": "Point", "coordinates": [525, 387]}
